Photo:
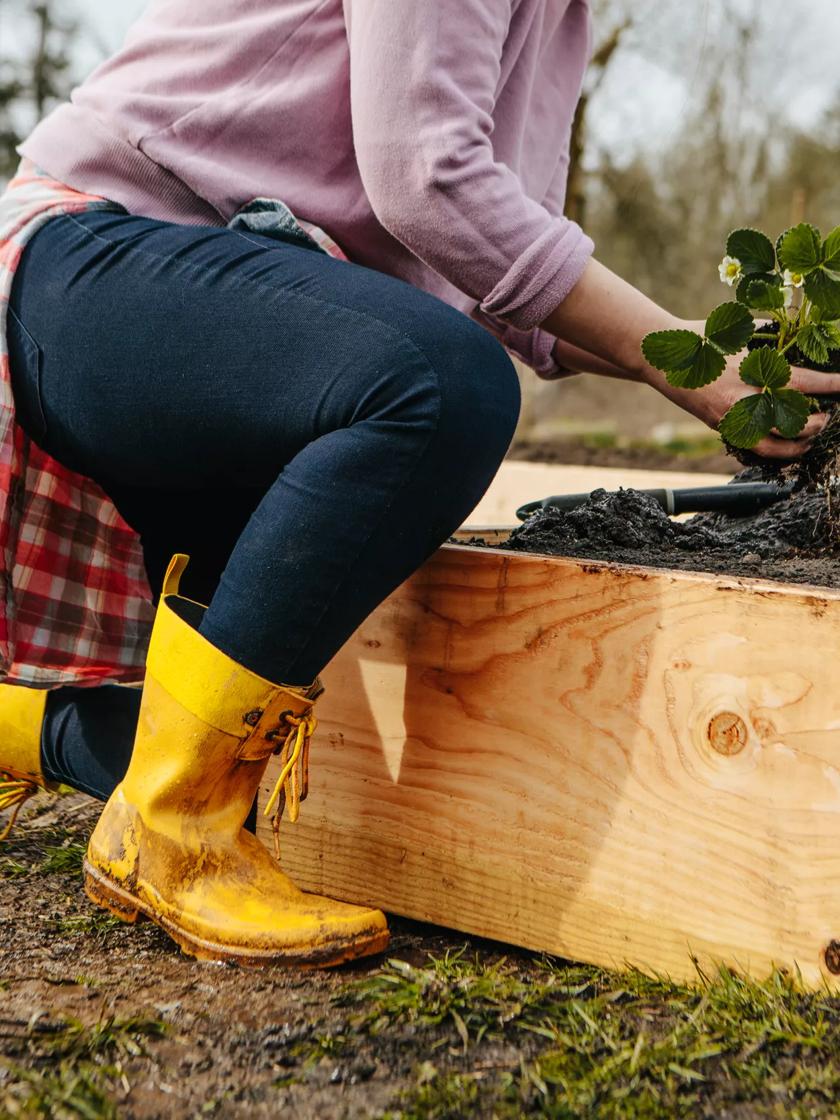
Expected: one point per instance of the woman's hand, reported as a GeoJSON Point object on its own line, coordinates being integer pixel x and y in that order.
{"type": "Point", "coordinates": [607, 317]}
{"type": "Point", "coordinates": [711, 403]}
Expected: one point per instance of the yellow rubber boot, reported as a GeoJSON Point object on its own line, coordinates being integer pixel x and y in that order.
{"type": "Point", "coordinates": [170, 843]}
{"type": "Point", "coordinates": [21, 717]}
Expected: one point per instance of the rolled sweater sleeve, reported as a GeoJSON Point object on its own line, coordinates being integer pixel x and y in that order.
{"type": "Point", "coordinates": [423, 79]}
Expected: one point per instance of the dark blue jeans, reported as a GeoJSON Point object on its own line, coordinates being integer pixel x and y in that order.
{"type": "Point", "coordinates": [307, 430]}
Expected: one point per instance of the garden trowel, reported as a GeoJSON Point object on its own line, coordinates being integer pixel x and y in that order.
{"type": "Point", "coordinates": [738, 499]}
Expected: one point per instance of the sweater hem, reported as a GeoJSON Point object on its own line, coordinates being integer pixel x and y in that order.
{"type": "Point", "coordinates": [101, 163]}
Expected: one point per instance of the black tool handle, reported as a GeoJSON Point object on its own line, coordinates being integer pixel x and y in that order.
{"type": "Point", "coordinates": [737, 499]}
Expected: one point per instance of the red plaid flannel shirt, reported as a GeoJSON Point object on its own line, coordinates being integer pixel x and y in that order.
{"type": "Point", "coordinates": [75, 602]}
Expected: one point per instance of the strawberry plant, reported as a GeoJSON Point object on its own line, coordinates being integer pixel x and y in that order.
{"type": "Point", "coordinates": [793, 288]}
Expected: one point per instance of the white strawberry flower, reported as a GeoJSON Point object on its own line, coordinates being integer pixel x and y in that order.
{"type": "Point", "coordinates": [731, 270]}
{"type": "Point", "coordinates": [793, 279]}
{"type": "Point", "coordinates": [789, 294]}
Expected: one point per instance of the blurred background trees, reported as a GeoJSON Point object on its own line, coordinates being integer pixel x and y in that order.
{"type": "Point", "coordinates": [660, 207]}
{"type": "Point", "coordinates": [692, 122]}
{"type": "Point", "coordinates": [752, 137]}
{"type": "Point", "coordinates": [37, 43]}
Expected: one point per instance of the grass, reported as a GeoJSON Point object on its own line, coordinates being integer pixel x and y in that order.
{"type": "Point", "coordinates": [687, 447]}
{"type": "Point", "coordinates": [12, 868]}
{"type": "Point", "coordinates": [474, 997]}
{"type": "Point", "coordinates": [444, 1097]}
{"type": "Point", "coordinates": [63, 859]}
{"type": "Point", "coordinates": [100, 921]}
{"type": "Point", "coordinates": [109, 1037]}
{"type": "Point", "coordinates": [63, 856]}
{"type": "Point", "coordinates": [67, 1092]}
{"type": "Point", "coordinates": [482, 1036]}
{"type": "Point", "coordinates": [578, 1042]}
{"type": "Point", "coordinates": [56, 851]}
{"type": "Point", "coordinates": [683, 446]}
{"type": "Point", "coordinates": [74, 1069]}
{"type": "Point", "coordinates": [325, 1045]}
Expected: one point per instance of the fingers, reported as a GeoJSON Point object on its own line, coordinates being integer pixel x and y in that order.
{"type": "Point", "coordinates": [813, 426]}
{"type": "Point", "coordinates": [809, 381]}
{"type": "Point", "coordinates": [776, 447]}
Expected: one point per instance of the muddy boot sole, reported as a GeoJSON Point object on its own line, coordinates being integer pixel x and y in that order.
{"type": "Point", "coordinates": [108, 895]}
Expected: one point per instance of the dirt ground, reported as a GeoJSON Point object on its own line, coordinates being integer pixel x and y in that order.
{"type": "Point", "coordinates": [708, 456]}
{"type": "Point", "coordinates": [101, 1020]}
{"type": "Point", "coordinates": [231, 1037]}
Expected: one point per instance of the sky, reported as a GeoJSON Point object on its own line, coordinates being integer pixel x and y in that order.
{"type": "Point", "coordinates": [643, 99]}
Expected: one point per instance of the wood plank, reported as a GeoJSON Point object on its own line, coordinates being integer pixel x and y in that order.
{"type": "Point", "coordinates": [613, 764]}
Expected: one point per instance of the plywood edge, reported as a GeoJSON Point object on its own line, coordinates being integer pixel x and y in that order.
{"type": "Point", "coordinates": [809, 592]}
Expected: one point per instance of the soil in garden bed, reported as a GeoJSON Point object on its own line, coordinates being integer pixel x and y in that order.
{"type": "Point", "coordinates": [791, 540]}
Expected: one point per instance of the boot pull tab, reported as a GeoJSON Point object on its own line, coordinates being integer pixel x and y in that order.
{"type": "Point", "coordinates": [172, 579]}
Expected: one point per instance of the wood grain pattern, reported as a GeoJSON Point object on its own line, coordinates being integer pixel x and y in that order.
{"type": "Point", "coordinates": [613, 764]}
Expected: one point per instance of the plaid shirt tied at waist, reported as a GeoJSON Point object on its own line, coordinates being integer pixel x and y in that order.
{"type": "Point", "coordinates": [75, 602]}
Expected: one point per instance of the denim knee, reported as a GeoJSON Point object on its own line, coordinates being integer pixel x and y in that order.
{"type": "Point", "coordinates": [456, 396]}
{"type": "Point", "coordinates": [479, 391]}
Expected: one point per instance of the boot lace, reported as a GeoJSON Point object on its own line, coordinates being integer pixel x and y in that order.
{"type": "Point", "coordinates": [14, 792]}
{"type": "Point", "coordinates": [293, 784]}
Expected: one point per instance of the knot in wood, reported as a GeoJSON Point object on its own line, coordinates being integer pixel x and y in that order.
{"type": "Point", "coordinates": [727, 733]}
{"type": "Point", "coordinates": [832, 957]}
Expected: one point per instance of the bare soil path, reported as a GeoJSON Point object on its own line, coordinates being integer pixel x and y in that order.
{"type": "Point", "coordinates": [100, 1020]}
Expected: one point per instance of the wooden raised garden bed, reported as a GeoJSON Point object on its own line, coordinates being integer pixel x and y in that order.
{"type": "Point", "coordinates": [615, 764]}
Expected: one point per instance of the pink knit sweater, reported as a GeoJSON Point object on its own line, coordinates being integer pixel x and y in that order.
{"type": "Point", "coordinates": [428, 137]}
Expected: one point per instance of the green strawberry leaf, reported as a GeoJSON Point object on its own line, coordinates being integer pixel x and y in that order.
{"type": "Point", "coordinates": [748, 421]}
{"type": "Point", "coordinates": [765, 368]}
{"type": "Point", "coordinates": [790, 411]}
{"type": "Point", "coordinates": [823, 290]}
{"type": "Point", "coordinates": [730, 327]}
{"type": "Point", "coordinates": [814, 341]}
{"type": "Point", "coordinates": [742, 291]}
{"type": "Point", "coordinates": [686, 359]}
{"type": "Point", "coordinates": [800, 249]}
{"type": "Point", "coordinates": [753, 249]}
{"type": "Point", "coordinates": [707, 366]}
{"type": "Point", "coordinates": [831, 250]}
{"type": "Point", "coordinates": [671, 350]}
{"type": "Point", "coordinates": [764, 296]}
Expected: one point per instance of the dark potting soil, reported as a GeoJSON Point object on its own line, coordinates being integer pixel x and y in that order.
{"type": "Point", "coordinates": [791, 540]}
